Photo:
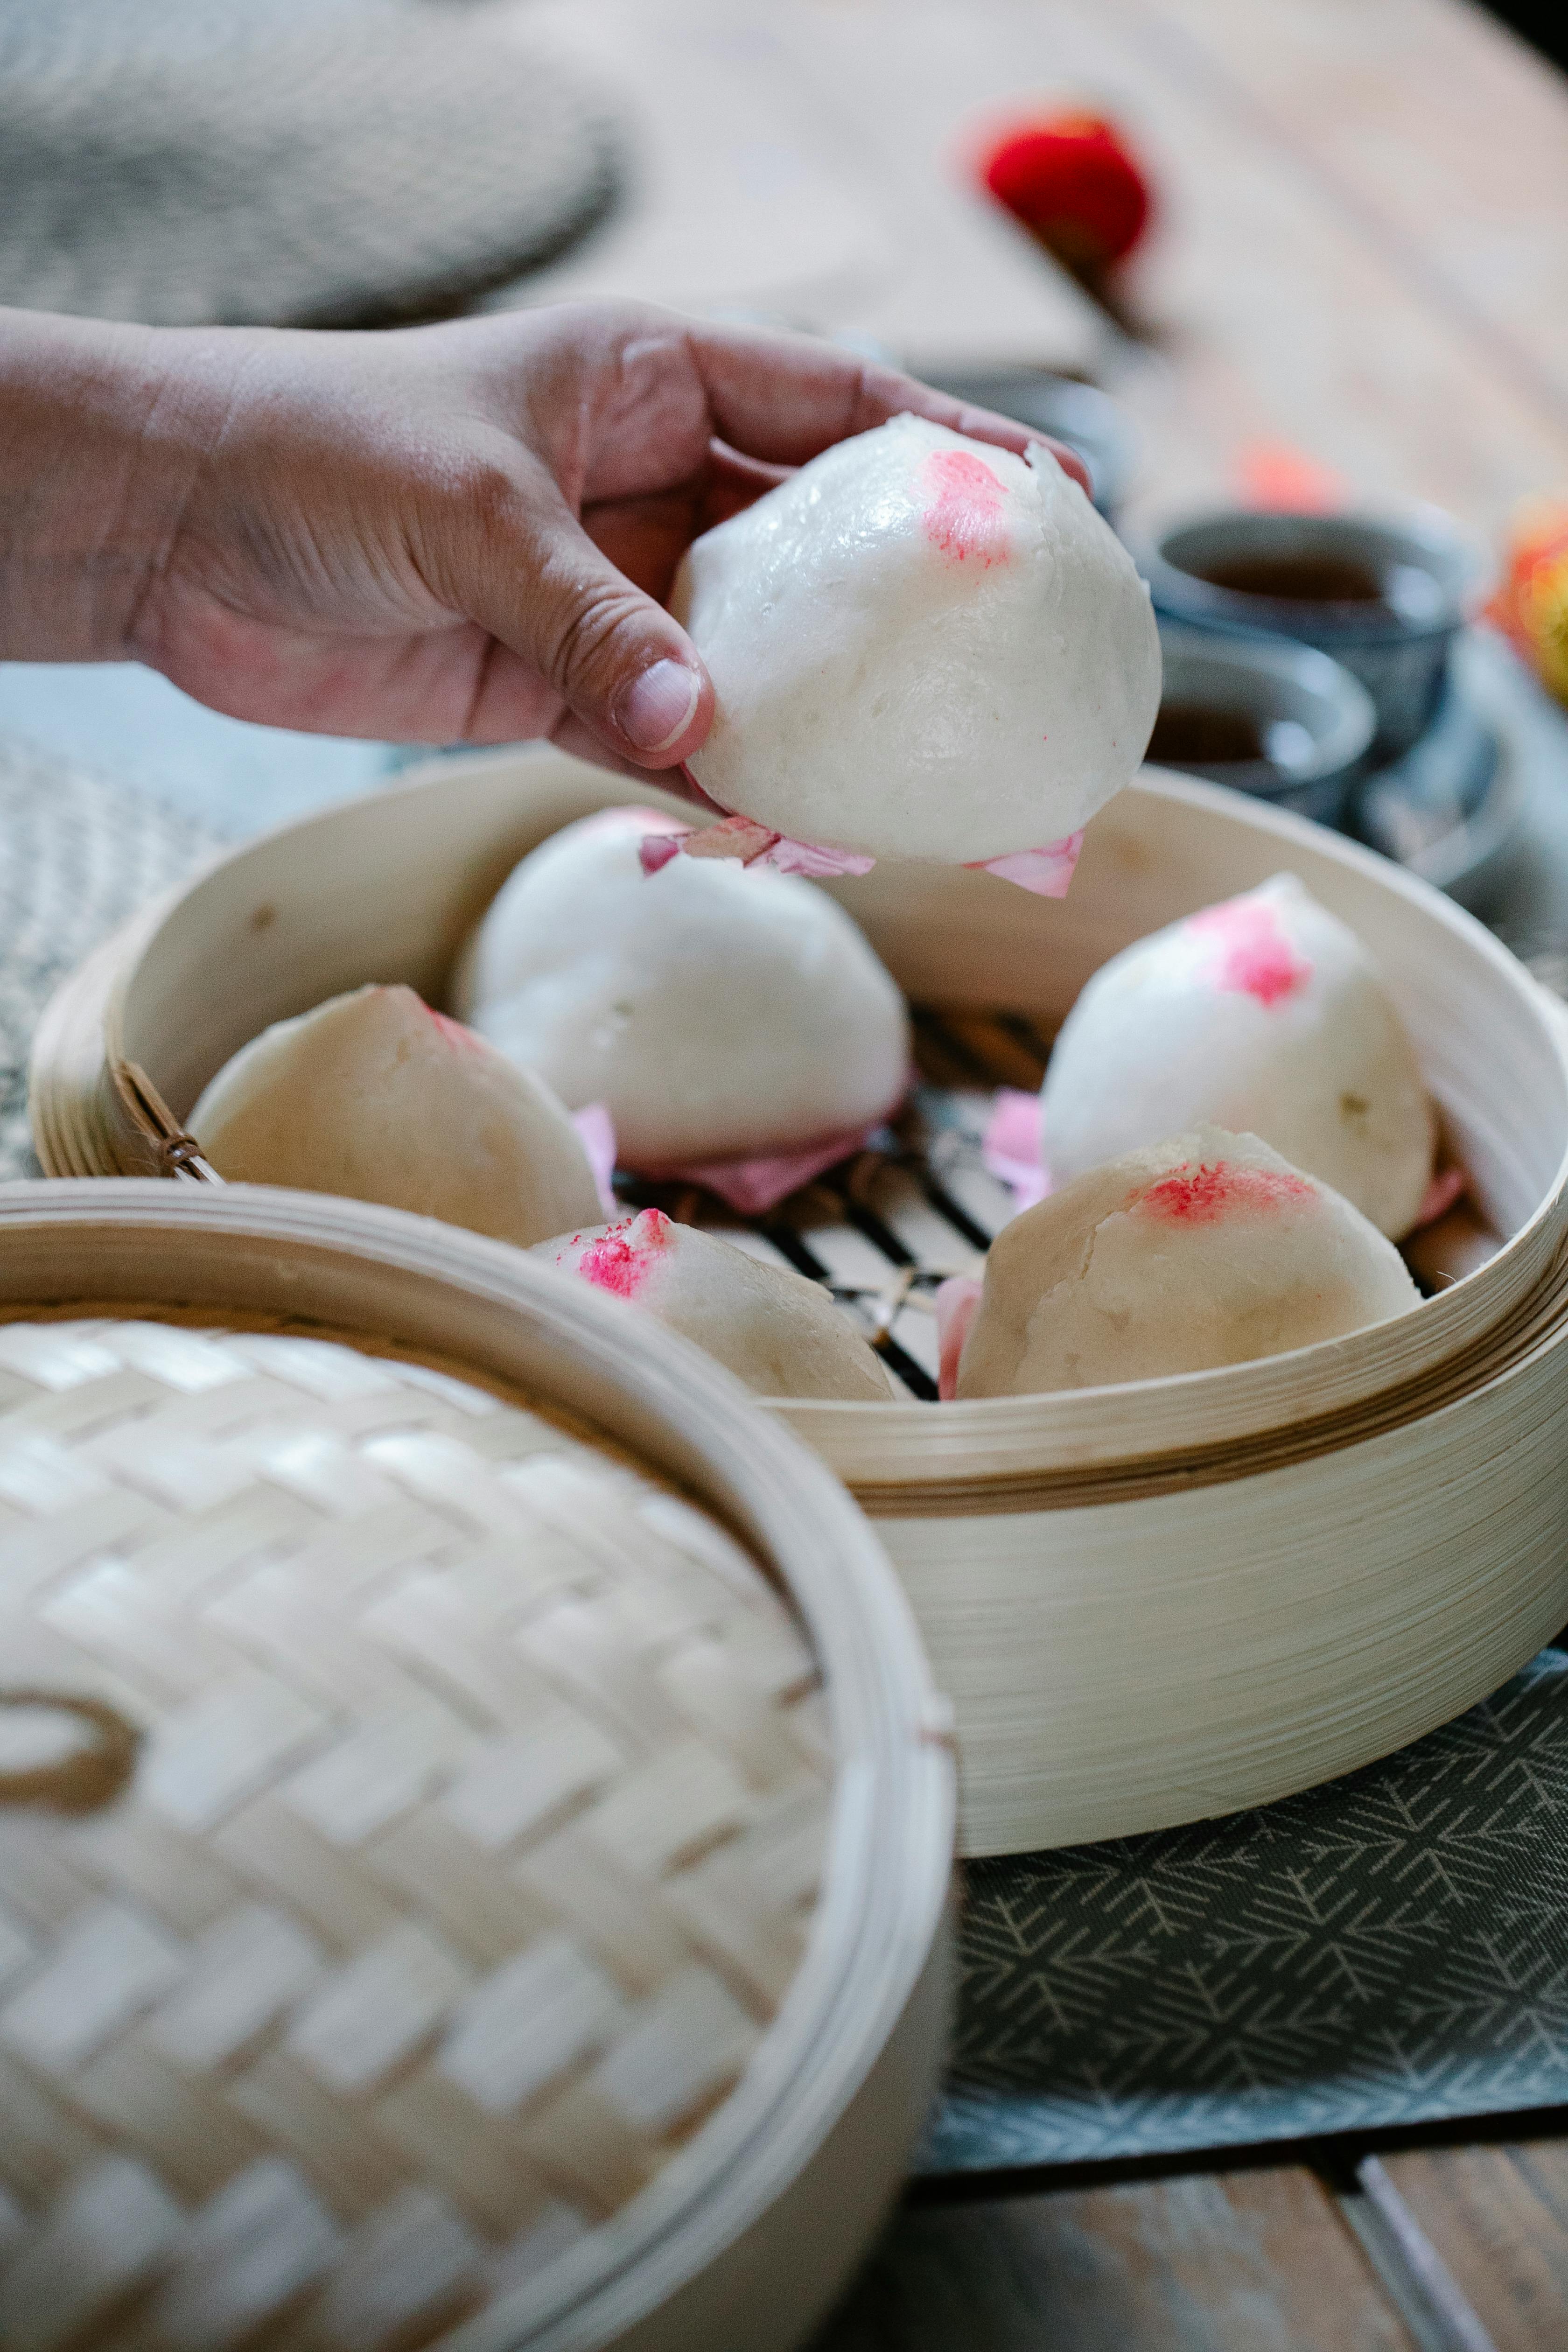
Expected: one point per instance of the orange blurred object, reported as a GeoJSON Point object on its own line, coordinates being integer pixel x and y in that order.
{"type": "Point", "coordinates": [1283, 479]}
{"type": "Point", "coordinates": [1531, 605]}
{"type": "Point", "coordinates": [1072, 180]}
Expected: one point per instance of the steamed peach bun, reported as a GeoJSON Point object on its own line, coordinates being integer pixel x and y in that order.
{"type": "Point", "coordinates": [1264, 1014]}
{"type": "Point", "coordinates": [1208, 1249]}
{"type": "Point", "coordinates": [376, 1096]}
{"type": "Point", "coordinates": [922, 647]}
{"type": "Point", "coordinates": [716, 1011]}
{"type": "Point", "coordinates": [779, 1333]}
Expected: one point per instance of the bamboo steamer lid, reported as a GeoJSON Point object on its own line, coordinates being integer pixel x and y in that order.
{"type": "Point", "coordinates": [413, 1806]}
{"type": "Point", "coordinates": [1150, 1603]}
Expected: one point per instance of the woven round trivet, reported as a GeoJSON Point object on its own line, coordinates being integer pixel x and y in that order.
{"type": "Point", "coordinates": [78, 855]}
{"type": "Point", "coordinates": [341, 163]}
{"type": "Point", "coordinates": [409, 1817]}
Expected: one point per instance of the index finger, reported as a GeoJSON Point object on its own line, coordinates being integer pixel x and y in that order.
{"type": "Point", "coordinates": [785, 398]}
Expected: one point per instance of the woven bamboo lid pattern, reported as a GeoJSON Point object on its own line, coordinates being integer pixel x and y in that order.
{"type": "Point", "coordinates": [344, 163]}
{"type": "Point", "coordinates": [409, 1818]}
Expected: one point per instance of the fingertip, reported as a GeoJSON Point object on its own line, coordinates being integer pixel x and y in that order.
{"type": "Point", "coordinates": [664, 712]}
{"type": "Point", "coordinates": [1071, 463]}
{"type": "Point", "coordinates": [1001, 432]}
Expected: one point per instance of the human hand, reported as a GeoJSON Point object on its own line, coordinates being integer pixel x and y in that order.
{"type": "Point", "coordinates": [460, 533]}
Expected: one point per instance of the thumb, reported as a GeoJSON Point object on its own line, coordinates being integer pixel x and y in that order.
{"type": "Point", "coordinates": [534, 579]}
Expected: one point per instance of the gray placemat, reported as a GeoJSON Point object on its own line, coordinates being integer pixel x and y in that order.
{"type": "Point", "coordinates": [1390, 1948]}
{"type": "Point", "coordinates": [285, 161]}
{"type": "Point", "coordinates": [78, 854]}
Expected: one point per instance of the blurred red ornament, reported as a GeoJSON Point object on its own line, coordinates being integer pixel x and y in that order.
{"type": "Point", "coordinates": [1532, 604]}
{"type": "Point", "coordinates": [1071, 179]}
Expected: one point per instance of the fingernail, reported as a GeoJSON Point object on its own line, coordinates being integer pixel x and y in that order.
{"type": "Point", "coordinates": [656, 710]}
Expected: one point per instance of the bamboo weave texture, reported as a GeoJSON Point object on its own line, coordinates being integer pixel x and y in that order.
{"type": "Point", "coordinates": [474, 1791]}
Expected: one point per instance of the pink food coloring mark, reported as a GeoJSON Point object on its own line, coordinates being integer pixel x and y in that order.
{"type": "Point", "coordinates": [621, 1260]}
{"type": "Point", "coordinates": [965, 516]}
{"type": "Point", "coordinates": [1218, 1189]}
{"type": "Point", "coordinates": [1253, 956]}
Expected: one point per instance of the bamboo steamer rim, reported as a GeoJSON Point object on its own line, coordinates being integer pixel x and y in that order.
{"type": "Point", "coordinates": [998, 1453]}
{"type": "Point", "coordinates": [504, 1319]}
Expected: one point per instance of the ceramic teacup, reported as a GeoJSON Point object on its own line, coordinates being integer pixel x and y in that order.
{"type": "Point", "coordinates": [1280, 721]}
{"type": "Point", "coordinates": [1383, 598]}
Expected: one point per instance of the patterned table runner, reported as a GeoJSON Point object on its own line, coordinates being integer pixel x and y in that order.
{"type": "Point", "coordinates": [1389, 1949]}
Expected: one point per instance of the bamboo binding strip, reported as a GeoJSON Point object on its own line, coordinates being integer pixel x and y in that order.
{"type": "Point", "coordinates": [412, 1811]}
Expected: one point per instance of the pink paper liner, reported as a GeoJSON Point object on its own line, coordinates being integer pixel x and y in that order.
{"type": "Point", "coordinates": [1447, 1186]}
{"type": "Point", "coordinates": [787, 857]}
{"type": "Point", "coordinates": [1012, 1148]}
{"type": "Point", "coordinates": [596, 1132]}
{"type": "Point", "coordinates": [957, 1302]}
{"type": "Point", "coordinates": [753, 844]}
{"type": "Point", "coordinates": [754, 1186]}
{"type": "Point", "coordinates": [1046, 871]}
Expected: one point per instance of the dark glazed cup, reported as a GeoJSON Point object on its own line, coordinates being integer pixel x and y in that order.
{"type": "Point", "coordinates": [1385, 599]}
{"type": "Point", "coordinates": [1311, 720]}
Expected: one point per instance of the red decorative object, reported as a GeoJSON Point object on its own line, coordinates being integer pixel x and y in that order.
{"type": "Point", "coordinates": [1072, 180]}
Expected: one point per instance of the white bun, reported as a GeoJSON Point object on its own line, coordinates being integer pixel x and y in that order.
{"type": "Point", "coordinates": [1209, 1249]}
{"type": "Point", "coordinates": [717, 1013]}
{"type": "Point", "coordinates": [776, 1332]}
{"type": "Point", "coordinates": [1265, 1015]}
{"type": "Point", "coordinates": [376, 1096]}
{"type": "Point", "coordinates": [922, 647]}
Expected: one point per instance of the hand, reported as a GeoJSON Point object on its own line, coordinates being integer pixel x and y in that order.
{"type": "Point", "coordinates": [444, 534]}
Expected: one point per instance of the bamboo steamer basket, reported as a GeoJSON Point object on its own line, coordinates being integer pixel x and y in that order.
{"type": "Point", "coordinates": [193, 2149]}
{"type": "Point", "coordinates": [1149, 1603]}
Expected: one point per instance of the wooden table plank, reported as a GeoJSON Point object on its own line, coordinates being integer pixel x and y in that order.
{"type": "Point", "coordinates": [1272, 312]}
{"type": "Point", "coordinates": [1441, 135]}
{"type": "Point", "coordinates": [1277, 313]}
{"type": "Point", "coordinates": [757, 185]}
{"type": "Point", "coordinates": [1250, 2261]}
{"type": "Point", "coordinates": [1498, 2220]}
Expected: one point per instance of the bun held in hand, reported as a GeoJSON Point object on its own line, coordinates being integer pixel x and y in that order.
{"type": "Point", "coordinates": [922, 647]}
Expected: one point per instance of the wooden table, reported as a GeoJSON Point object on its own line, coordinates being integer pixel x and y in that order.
{"type": "Point", "coordinates": [1363, 254]}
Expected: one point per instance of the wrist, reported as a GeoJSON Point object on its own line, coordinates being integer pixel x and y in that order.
{"type": "Point", "coordinates": [103, 430]}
